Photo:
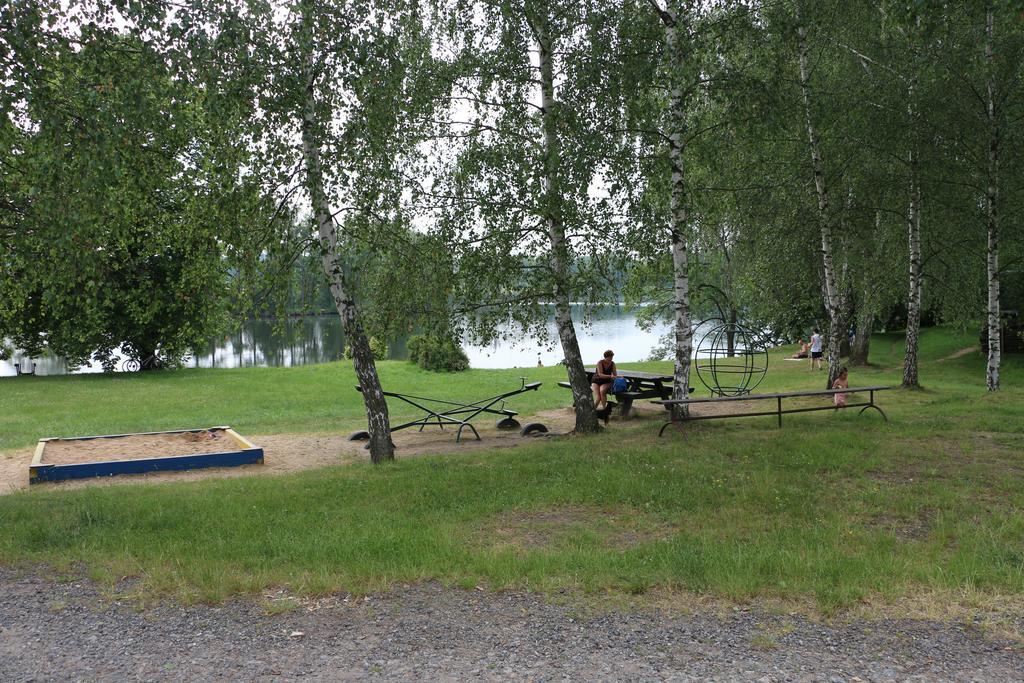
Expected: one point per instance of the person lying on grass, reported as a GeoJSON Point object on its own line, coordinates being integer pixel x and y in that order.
{"type": "Point", "coordinates": [605, 373]}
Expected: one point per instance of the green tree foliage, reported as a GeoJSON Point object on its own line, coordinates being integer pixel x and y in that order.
{"type": "Point", "coordinates": [523, 150]}
{"type": "Point", "coordinates": [117, 202]}
{"type": "Point", "coordinates": [437, 353]}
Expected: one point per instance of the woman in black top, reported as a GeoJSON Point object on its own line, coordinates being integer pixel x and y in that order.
{"type": "Point", "coordinates": [604, 375]}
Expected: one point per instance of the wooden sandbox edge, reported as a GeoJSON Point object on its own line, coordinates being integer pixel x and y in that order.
{"type": "Point", "coordinates": [247, 454]}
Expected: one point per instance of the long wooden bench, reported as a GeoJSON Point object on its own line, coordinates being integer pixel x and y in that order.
{"type": "Point", "coordinates": [779, 412]}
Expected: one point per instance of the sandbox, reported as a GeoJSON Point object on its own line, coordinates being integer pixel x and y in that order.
{"type": "Point", "coordinates": [104, 456]}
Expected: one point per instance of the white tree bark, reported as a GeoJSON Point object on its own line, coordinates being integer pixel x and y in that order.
{"type": "Point", "coordinates": [381, 446]}
{"type": "Point", "coordinates": [910, 380]}
{"type": "Point", "coordinates": [992, 221]}
{"type": "Point", "coordinates": [583, 399]}
{"type": "Point", "coordinates": [680, 220]}
{"type": "Point", "coordinates": [865, 318]}
{"type": "Point", "coordinates": [832, 298]}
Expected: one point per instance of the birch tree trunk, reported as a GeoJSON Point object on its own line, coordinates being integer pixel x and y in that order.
{"type": "Point", "coordinates": [583, 399]}
{"type": "Point", "coordinates": [992, 220]}
{"type": "Point", "coordinates": [679, 228]}
{"type": "Point", "coordinates": [865, 314]}
{"type": "Point", "coordinates": [865, 319]}
{"type": "Point", "coordinates": [910, 380]}
{"type": "Point", "coordinates": [381, 446]}
{"type": "Point", "coordinates": [832, 298]}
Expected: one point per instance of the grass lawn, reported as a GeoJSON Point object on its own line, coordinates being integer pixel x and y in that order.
{"type": "Point", "coordinates": [832, 509]}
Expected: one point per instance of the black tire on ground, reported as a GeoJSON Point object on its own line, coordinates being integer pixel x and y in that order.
{"type": "Point", "coordinates": [359, 436]}
{"type": "Point", "coordinates": [507, 423]}
{"type": "Point", "coordinates": [533, 428]}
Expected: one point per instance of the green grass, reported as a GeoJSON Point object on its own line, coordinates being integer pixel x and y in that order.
{"type": "Point", "coordinates": [314, 398]}
{"type": "Point", "coordinates": [832, 508]}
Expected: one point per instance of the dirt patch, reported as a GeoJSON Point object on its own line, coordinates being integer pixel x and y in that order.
{"type": "Point", "coordinates": [913, 529]}
{"type": "Point", "coordinates": [553, 527]}
{"type": "Point", "coordinates": [960, 354]}
{"type": "Point", "coordinates": [730, 408]}
{"type": "Point", "coordinates": [137, 447]}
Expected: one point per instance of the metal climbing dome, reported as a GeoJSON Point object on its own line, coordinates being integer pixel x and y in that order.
{"type": "Point", "coordinates": [729, 359]}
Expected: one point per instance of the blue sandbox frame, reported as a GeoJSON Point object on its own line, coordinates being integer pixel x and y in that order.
{"type": "Point", "coordinates": [246, 454]}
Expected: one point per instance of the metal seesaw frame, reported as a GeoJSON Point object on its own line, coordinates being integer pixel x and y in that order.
{"type": "Point", "coordinates": [458, 414]}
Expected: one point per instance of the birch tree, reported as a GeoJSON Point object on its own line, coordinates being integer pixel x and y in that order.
{"type": "Point", "coordinates": [334, 99]}
{"type": "Point", "coordinates": [983, 64]}
{"type": "Point", "coordinates": [516, 194]}
{"type": "Point", "coordinates": [992, 116]}
{"type": "Point", "coordinates": [894, 51]}
{"type": "Point", "coordinates": [676, 109]}
{"type": "Point", "coordinates": [830, 289]}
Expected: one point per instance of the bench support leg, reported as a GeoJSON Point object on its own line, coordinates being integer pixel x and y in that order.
{"type": "Point", "coordinates": [872, 405]}
{"type": "Point", "coordinates": [625, 405]}
{"type": "Point", "coordinates": [669, 424]}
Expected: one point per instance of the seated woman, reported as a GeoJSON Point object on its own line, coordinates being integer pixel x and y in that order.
{"type": "Point", "coordinates": [604, 375]}
{"type": "Point", "coordinates": [804, 350]}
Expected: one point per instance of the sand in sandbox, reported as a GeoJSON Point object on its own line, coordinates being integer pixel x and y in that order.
{"type": "Point", "coordinates": [137, 447]}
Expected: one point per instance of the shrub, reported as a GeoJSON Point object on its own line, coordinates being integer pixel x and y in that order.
{"type": "Point", "coordinates": [378, 347]}
{"type": "Point", "coordinates": [436, 353]}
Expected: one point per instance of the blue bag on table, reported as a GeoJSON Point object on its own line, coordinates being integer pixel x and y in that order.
{"type": "Point", "coordinates": [619, 385]}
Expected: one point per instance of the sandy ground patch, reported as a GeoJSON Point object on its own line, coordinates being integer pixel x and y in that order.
{"type": "Point", "coordinates": [285, 453]}
{"type": "Point", "coordinates": [137, 446]}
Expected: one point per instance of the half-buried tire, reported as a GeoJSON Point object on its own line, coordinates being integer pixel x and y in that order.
{"type": "Point", "coordinates": [533, 428]}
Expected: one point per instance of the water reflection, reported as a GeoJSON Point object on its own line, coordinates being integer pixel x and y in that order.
{"type": "Point", "coordinates": [319, 339]}
{"type": "Point", "coordinates": [268, 343]}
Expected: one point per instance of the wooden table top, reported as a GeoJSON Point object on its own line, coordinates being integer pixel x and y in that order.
{"type": "Point", "coordinates": [636, 374]}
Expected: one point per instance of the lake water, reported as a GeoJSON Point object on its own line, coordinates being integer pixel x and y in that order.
{"type": "Point", "coordinates": [318, 339]}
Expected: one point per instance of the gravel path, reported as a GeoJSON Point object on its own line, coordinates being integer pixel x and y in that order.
{"type": "Point", "coordinates": [66, 631]}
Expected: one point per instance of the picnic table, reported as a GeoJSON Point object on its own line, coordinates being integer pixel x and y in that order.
{"type": "Point", "coordinates": [641, 385]}
{"type": "Point", "coordinates": [778, 411]}
{"type": "Point", "coordinates": [441, 412]}
{"type": "Point", "coordinates": [24, 368]}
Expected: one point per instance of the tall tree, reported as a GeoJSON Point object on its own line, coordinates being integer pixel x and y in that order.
{"type": "Point", "coordinates": [992, 115]}
{"type": "Point", "coordinates": [516, 193]}
{"type": "Point", "coordinates": [678, 31]}
{"type": "Point", "coordinates": [830, 289]}
{"type": "Point", "coordinates": [119, 196]}
{"type": "Point", "coordinates": [677, 107]}
{"type": "Point", "coordinates": [982, 63]}
{"type": "Point", "coordinates": [334, 100]}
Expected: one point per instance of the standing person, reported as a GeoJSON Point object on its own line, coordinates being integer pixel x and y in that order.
{"type": "Point", "coordinates": [604, 375]}
{"type": "Point", "coordinates": [842, 382]}
{"type": "Point", "coordinates": [816, 350]}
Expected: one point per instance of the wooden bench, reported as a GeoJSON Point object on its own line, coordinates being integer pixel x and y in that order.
{"type": "Point", "coordinates": [641, 385]}
{"type": "Point", "coordinates": [779, 412]}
